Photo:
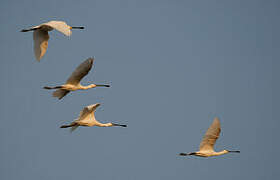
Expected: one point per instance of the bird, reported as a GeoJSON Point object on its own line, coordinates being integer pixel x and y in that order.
{"type": "Point", "coordinates": [87, 118]}
{"type": "Point", "coordinates": [206, 148]}
{"type": "Point", "coordinates": [73, 82]}
{"type": "Point", "coordinates": [41, 36]}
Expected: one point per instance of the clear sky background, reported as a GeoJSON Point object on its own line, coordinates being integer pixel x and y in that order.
{"type": "Point", "coordinates": [173, 67]}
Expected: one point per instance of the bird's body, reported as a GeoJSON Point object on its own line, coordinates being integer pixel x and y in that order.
{"type": "Point", "coordinates": [73, 82]}
{"type": "Point", "coordinates": [41, 36]}
{"type": "Point", "coordinates": [205, 153]}
{"type": "Point", "coordinates": [87, 118]}
{"type": "Point", "coordinates": [206, 148]}
{"type": "Point", "coordinates": [71, 87]}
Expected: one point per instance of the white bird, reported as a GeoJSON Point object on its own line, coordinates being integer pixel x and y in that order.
{"type": "Point", "coordinates": [87, 118]}
{"type": "Point", "coordinates": [73, 82]}
{"type": "Point", "coordinates": [206, 147]}
{"type": "Point", "coordinates": [41, 36]}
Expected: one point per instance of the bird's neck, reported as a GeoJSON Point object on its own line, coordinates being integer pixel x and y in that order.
{"type": "Point", "coordinates": [105, 124]}
{"type": "Point", "coordinates": [88, 86]}
{"type": "Point", "coordinates": [221, 152]}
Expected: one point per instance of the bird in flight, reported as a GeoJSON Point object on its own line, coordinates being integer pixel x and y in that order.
{"type": "Point", "coordinates": [41, 36]}
{"type": "Point", "coordinates": [87, 118]}
{"type": "Point", "coordinates": [206, 148]}
{"type": "Point", "coordinates": [73, 82]}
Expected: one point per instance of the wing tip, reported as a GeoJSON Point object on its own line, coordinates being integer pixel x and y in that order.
{"type": "Point", "coordinates": [217, 119]}
{"type": "Point", "coordinates": [91, 59]}
{"type": "Point", "coordinates": [38, 57]}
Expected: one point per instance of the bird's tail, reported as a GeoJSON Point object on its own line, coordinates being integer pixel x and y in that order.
{"type": "Point", "coordinates": [60, 93]}
{"type": "Point", "coordinates": [72, 125]}
{"type": "Point", "coordinates": [55, 87]}
{"type": "Point", "coordinates": [122, 125]}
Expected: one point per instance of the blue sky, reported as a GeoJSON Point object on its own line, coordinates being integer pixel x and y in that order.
{"type": "Point", "coordinates": [173, 67]}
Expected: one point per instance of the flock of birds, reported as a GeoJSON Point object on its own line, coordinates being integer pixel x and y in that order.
{"type": "Point", "coordinates": [86, 117]}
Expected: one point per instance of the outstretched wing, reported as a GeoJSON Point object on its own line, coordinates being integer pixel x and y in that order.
{"type": "Point", "coordinates": [88, 110]}
{"type": "Point", "coordinates": [210, 137]}
{"type": "Point", "coordinates": [81, 71]}
{"type": "Point", "coordinates": [87, 116]}
{"type": "Point", "coordinates": [60, 26]}
{"type": "Point", "coordinates": [83, 113]}
{"type": "Point", "coordinates": [40, 38]}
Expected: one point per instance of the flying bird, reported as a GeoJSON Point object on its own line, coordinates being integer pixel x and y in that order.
{"type": "Point", "coordinates": [41, 36]}
{"type": "Point", "coordinates": [87, 118]}
{"type": "Point", "coordinates": [206, 148]}
{"type": "Point", "coordinates": [73, 82]}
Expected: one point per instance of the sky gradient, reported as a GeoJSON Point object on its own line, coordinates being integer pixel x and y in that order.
{"type": "Point", "coordinates": [173, 66]}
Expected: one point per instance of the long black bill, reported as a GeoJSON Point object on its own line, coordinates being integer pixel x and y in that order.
{"type": "Point", "coordinates": [78, 27]}
{"type": "Point", "coordinates": [65, 126]}
{"type": "Point", "coordinates": [122, 125]}
{"type": "Point", "coordinates": [234, 151]}
{"type": "Point", "coordinates": [25, 30]}
{"type": "Point", "coordinates": [183, 154]}
{"type": "Point", "coordinates": [102, 85]}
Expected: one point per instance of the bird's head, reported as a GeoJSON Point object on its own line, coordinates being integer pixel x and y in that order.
{"type": "Point", "coordinates": [97, 85]}
{"type": "Point", "coordinates": [96, 105]}
{"type": "Point", "coordinates": [92, 85]}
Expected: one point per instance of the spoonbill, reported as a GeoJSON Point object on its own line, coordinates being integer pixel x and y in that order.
{"type": "Point", "coordinates": [87, 118]}
{"type": "Point", "coordinates": [206, 148]}
{"type": "Point", "coordinates": [73, 82]}
{"type": "Point", "coordinates": [41, 36]}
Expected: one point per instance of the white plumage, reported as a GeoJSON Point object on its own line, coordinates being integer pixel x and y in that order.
{"type": "Point", "coordinates": [41, 36]}
{"type": "Point", "coordinates": [87, 118]}
{"type": "Point", "coordinates": [206, 147]}
{"type": "Point", "coordinates": [73, 82]}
